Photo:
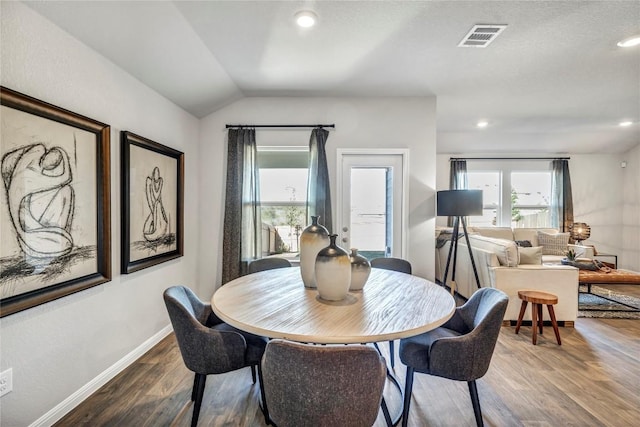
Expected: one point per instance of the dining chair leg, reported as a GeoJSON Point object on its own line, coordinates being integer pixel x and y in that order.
{"type": "Point", "coordinates": [263, 397]}
{"type": "Point", "coordinates": [408, 386]}
{"type": "Point", "coordinates": [201, 379]}
{"type": "Point", "coordinates": [253, 373]}
{"type": "Point", "coordinates": [473, 391]}
{"type": "Point", "coordinates": [195, 387]}
{"type": "Point", "coordinates": [392, 354]}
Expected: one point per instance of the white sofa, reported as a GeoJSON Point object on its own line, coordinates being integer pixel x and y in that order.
{"type": "Point", "coordinates": [498, 264]}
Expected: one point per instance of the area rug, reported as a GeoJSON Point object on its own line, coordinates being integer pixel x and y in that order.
{"type": "Point", "coordinates": [604, 303]}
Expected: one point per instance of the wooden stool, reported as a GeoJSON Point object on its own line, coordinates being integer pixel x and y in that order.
{"type": "Point", "coordinates": [537, 299]}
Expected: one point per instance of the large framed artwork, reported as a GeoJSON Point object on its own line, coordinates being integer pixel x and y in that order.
{"type": "Point", "coordinates": [152, 203]}
{"type": "Point", "coordinates": [55, 202]}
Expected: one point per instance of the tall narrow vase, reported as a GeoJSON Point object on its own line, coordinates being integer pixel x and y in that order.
{"type": "Point", "coordinates": [333, 271]}
{"type": "Point", "coordinates": [360, 270]}
{"type": "Point", "coordinates": [313, 238]}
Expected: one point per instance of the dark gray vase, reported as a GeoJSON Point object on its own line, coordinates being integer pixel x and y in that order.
{"type": "Point", "coordinates": [360, 270]}
{"type": "Point", "coordinates": [313, 238]}
{"type": "Point", "coordinates": [333, 271]}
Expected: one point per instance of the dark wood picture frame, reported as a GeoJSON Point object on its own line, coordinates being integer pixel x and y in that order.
{"type": "Point", "coordinates": [141, 177]}
{"type": "Point", "coordinates": [46, 276]}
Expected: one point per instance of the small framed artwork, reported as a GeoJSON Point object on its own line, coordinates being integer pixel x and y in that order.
{"type": "Point", "coordinates": [55, 218]}
{"type": "Point", "coordinates": [152, 203]}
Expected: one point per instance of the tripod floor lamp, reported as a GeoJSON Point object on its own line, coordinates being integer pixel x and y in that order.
{"type": "Point", "coordinates": [459, 204]}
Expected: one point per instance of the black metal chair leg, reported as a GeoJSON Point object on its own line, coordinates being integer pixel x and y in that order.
{"type": "Point", "coordinates": [265, 410]}
{"type": "Point", "coordinates": [253, 373]}
{"type": "Point", "coordinates": [473, 391]}
{"type": "Point", "coordinates": [201, 379]}
{"type": "Point", "coordinates": [195, 387]}
{"type": "Point", "coordinates": [392, 355]}
{"type": "Point", "coordinates": [408, 386]}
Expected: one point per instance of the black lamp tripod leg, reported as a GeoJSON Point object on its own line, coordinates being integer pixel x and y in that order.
{"type": "Point", "coordinates": [453, 250]}
{"type": "Point", "coordinates": [473, 263]}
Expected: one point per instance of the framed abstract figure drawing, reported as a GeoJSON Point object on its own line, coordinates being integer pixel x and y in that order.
{"type": "Point", "coordinates": [54, 202]}
{"type": "Point", "coordinates": [152, 203]}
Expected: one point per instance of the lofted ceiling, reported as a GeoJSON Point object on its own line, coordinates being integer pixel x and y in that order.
{"type": "Point", "coordinates": [554, 81]}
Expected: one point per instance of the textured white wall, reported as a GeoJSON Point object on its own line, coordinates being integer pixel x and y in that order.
{"type": "Point", "coordinates": [56, 348]}
{"type": "Point", "coordinates": [596, 182]}
{"type": "Point", "coordinates": [360, 123]}
{"type": "Point", "coordinates": [605, 196]}
{"type": "Point", "coordinates": [631, 211]}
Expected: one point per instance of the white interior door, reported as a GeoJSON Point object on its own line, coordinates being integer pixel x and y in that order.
{"type": "Point", "coordinates": [371, 201]}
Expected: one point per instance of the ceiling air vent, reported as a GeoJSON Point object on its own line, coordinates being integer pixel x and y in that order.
{"type": "Point", "coordinates": [481, 35]}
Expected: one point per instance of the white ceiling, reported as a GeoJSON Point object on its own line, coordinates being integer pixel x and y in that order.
{"type": "Point", "coordinates": [553, 82]}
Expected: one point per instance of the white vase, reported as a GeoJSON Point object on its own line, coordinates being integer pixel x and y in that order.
{"type": "Point", "coordinates": [360, 270]}
{"type": "Point", "coordinates": [333, 271]}
{"type": "Point", "coordinates": [312, 239]}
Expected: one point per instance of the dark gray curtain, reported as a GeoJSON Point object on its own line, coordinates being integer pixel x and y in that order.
{"type": "Point", "coordinates": [318, 192]}
{"type": "Point", "coordinates": [561, 197]}
{"type": "Point", "coordinates": [457, 179]}
{"type": "Point", "coordinates": [242, 232]}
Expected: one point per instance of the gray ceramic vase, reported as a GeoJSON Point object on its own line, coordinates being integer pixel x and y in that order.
{"type": "Point", "coordinates": [312, 239]}
{"type": "Point", "coordinates": [360, 270]}
{"type": "Point", "coordinates": [333, 271]}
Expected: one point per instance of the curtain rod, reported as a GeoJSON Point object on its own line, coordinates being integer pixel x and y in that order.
{"type": "Point", "coordinates": [281, 126]}
{"type": "Point", "coordinates": [509, 158]}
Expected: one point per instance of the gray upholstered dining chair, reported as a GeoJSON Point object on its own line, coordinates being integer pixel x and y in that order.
{"type": "Point", "coordinates": [333, 385]}
{"type": "Point", "coordinates": [461, 349]}
{"type": "Point", "coordinates": [394, 264]}
{"type": "Point", "coordinates": [268, 264]}
{"type": "Point", "coordinates": [207, 344]}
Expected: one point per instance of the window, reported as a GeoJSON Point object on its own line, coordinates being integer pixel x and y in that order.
{"type": "Point", "coordinates": [489, 183]}
{"type": "Point", "coordinates": [515, 194]}
{"type": "Point", "coordinates": [530, 199]}
{"type": "Point", "coordinates": [283, 197]}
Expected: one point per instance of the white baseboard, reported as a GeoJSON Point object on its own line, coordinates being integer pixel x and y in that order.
{"type": "Point", "coordinates": [64, 407]}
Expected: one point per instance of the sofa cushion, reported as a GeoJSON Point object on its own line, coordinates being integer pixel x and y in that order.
{"type": "Point", "coordinates": [506, 250]}
{"type": "Point", "coordinates": [495, 232]}
{"type": "Point", "coordinates": [531, 234]}
{"type": "Point", "coordinates": [530, 255]}
{"type": "Point", "coordinates": [553, 244]}
{"type": "Point", "coordinates": [552, 259]}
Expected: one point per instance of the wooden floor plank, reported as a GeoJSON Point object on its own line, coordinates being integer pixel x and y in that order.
{"type": "Point", "coordinates": [592, 379]}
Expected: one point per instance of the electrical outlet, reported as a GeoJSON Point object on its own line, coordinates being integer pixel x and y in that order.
{"type": "Point", "coordinates": [6, 381]}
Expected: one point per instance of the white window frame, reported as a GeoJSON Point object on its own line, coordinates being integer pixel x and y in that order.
{"type": "Point", "coordinates": [505, 168]}
{"type": "Point", "coordinates": [285, 203]}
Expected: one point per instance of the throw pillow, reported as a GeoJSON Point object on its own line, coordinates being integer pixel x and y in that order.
{"type": "Point", "coordinates": [505, 250]}
{"type": "Point", "coordinates": [524, 243]}
{"type": "Point", "coordinates": [553, 244]}
{"type": "Point", "coordinates": [530, 255]}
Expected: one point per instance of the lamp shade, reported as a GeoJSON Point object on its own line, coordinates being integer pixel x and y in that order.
{"type": "Point", "coordinates": [580, 231]}
{"type": "Point", "coordinates": [459, 203]}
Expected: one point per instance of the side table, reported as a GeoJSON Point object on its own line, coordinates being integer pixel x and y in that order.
{"type": "Point", "coordinates": [537, 300]}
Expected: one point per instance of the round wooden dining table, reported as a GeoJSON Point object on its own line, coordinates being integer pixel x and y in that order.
{"type": "Point", "coordinates": [275, 304]}
{"type": "Point", "coordinates": [392, 305]}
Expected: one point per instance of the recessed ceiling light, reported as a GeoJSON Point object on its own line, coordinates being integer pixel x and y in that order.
{"type": "Point", "coordinates": [306, 18]}
{"type": "Point", "coordinates": [482, 124]}
{"type": "Point", "coordinates": [630, 42]}
{"type": "Point", "coordinates": [625, 123]}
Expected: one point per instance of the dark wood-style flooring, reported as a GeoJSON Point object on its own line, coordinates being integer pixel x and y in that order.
{"type": "Point", "coordinates": [593, 379]}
